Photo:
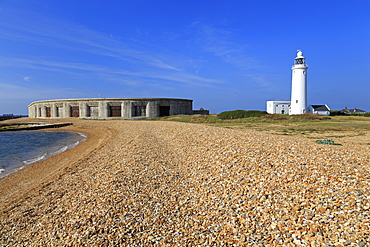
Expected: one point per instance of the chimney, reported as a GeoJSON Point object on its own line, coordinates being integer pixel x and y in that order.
{"type": "Point", "coordinates": [354, 109]}
{"type": "Point", "coordinates": [345, 107]}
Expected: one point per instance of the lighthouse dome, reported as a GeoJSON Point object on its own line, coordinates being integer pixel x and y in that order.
{"type": "Point", "coordinates": [300, 54]}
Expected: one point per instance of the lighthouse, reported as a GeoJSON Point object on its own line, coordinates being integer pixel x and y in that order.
{"type": "Point", "coordinates": [298, 104]}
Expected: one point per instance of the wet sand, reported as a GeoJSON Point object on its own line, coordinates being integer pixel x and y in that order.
{"type": "Point", "coordinates": [19, 184]}
{"type": "Point", "coordinates": [143, 183]}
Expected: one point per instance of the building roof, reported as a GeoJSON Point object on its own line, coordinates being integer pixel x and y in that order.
{"type": "Point", "coordinates": [320, 107]}
{"type": "Point", "coordinates": [108, 99]}
{"type": "Point", "coordinates": [279, 101]}
{"type": "Point", "coordinates": [346, 110]}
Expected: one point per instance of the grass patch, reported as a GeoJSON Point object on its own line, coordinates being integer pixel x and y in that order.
{"type": "Point", "coordinates": [189, 118]}
{"type": "Point", "coordinates": [9, 127]}
{"type": "Point", "coordinates": [307, 125]}
{"type": "Point", "coordinates": [240, 114]}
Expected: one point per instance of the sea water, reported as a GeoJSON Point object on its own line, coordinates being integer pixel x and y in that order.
{"type": "Point", "coordinates": [21, 148]}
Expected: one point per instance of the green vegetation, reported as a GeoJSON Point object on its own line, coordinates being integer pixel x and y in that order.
{"type": "Point", "coordinates": [366, 114]}
{"type": "Point", "coordinates": [240, 114]}
{"type": "Point", "coordinates": [310, 126]}
{"type": "Point", "coordinates": [251, 119]}
{"type": "Point", "coordinates": [339, 113]}
{"type": "Point", "coordinates": [29, 126]}
{"type": "Point", "coordinates": [8, 127]}
{"type": "Point", "coordinates": [328, 142]}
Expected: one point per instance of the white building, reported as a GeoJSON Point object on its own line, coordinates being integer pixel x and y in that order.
{"type": "Point", "coordinates": [299, 86]}
{"type": "Point", "coordinates": [319, 109]}
{"type": "Point", "coordinates": [277, 107]}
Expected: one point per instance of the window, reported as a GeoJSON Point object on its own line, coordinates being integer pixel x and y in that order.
{"type": "Point", "coordinates": [139, 111]}
{"type": "Point", "coordinates": [299, 61]}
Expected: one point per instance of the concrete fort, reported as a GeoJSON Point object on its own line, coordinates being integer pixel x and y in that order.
{"type": "Point", "coordinates": [107, 108]}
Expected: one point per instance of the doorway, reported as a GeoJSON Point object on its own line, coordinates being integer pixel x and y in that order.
{"type": "Point", "coordinates": [75, 111]}
{"type": "Point", "coordinates": [164, 111]}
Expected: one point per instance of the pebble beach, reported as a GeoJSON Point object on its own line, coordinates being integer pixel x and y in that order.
{"type": "Point", "coordinates": [151, 183]}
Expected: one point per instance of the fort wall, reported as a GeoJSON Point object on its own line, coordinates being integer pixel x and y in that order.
{"type": "Point", "coordinates": [110, 108]}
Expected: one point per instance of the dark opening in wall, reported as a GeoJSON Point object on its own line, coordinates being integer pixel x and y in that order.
{"type": "Point", "coordinates": [164, 111]}
{"type": "Point", "coordinates": [88, 111]}
{"type": "Point", "coordinates": [48, 111]}
{"type": "Point", "coordinates": [139, 111]}
{"type": "Point", "coordinates": [115, 111]}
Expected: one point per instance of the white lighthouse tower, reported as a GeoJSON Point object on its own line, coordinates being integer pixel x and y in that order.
{"type": "Point", "coordinates": [298, 104]}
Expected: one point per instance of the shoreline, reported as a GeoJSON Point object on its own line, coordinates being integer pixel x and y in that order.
{"type": "Point", "coordinates": [17, 184]}
{"type": "Point", "coordinates": [22, 164]}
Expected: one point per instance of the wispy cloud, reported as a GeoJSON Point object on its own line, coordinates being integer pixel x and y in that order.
{"type": "Point", "coordinates": [15, 91]}
{"type": "Point", "coordinates": [222, 43]}
{"type": "Point", "coordinates": [139, 62]}
{"type": "Point", "coordinates": [10, 86]}
{"type": "Point", "coordinates": [112, 73]}
{"type": "Point", "coordinates": [65, 35]}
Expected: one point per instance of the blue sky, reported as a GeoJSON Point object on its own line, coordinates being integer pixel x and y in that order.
{"type": "Point", "coordinates": [225, 55]}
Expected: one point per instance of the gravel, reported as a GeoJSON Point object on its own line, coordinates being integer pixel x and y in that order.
{"type": "Point", "coordinates": [177, 184]}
